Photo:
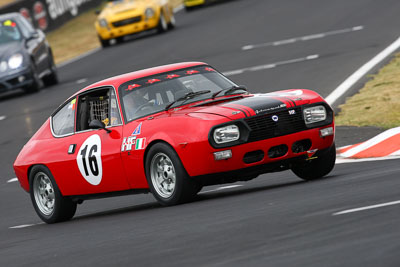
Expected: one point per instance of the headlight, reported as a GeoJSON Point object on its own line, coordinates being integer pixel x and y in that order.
{"type": "Point", "coordinates": [15, 61]}
{"type": "Point", "coordinates": [103, 23]}
{"type": "Point", "coordinates": [226, 134]}
{"type": "Point", "coordinates": [314, 114]}
{"type": "Point", "coordinates": [149, 13]}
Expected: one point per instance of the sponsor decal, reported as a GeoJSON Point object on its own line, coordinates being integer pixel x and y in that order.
{"type": "Point", "coordinates": [40, 15]}
{"type": "Point", "coordinates": [132, 86]}
{"type": "Point", "coordinates": [72, 105]}
{"type": "Point", "coordinates": [190, 72]}
{"type": "Point", "coordinates": [58, 8]}
{"type": "Point", "coordinates": [171, 76]}
{"type": "Point", "coordinates": [106, 121]}
{"type": "Point", "coordinates": [140, 143]}
{"type": "Point", "coordinates": [89, 160]}
{"type": "Point", "coordinates": [275, 118]}
{"type": "Point", "coordinates": [127, 143]}
{"type": "Point", "coordinates": [25, 12]}
{"type": "Point", "coordinates": [311, 153]}
{"type": "Point", "coordinates": [151, 81]}
{"type": "Point", "coordinates": [263, 110]}
{"type": "Point", "coordinates": [292, 112]}
{"type": "Point", "coordinates": [138, 130]}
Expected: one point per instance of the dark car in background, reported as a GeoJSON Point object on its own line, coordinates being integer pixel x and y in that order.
{"type": "Point", "coordinates": [26, 59]}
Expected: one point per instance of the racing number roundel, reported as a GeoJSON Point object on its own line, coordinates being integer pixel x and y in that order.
{"type": "Point", "coordinates": [89, 160]}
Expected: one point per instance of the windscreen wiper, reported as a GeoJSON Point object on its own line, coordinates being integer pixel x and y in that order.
{"type": "Point", "coordinates": [230, 90]}
{"type": "Point", "coordinates": [187, 96]}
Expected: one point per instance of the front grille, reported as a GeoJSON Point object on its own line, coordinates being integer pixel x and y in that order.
{"type": "Point", "coordinates": [127, 21]}
{"type": "Point", "coordinates": [264, 127]}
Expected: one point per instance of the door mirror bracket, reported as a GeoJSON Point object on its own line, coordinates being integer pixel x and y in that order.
{"type": "Point", "coordinates": [96, 124]}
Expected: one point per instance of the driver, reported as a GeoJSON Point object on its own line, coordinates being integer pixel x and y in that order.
{"type": "Point", "coordinates": [133, 103]}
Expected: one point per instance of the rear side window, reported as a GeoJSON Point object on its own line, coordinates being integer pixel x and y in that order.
{"type": "Point", "coordinates": [63, 120]}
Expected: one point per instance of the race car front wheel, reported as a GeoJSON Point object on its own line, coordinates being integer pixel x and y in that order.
{"type": "Point", "coordinates": [167, 178]}
{"type": "Point", "coordinates": [47, 200]}
{"type": "Point", "coordinates": [317, 168]}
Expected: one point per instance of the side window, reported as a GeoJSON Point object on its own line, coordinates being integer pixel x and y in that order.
{"type": "Point", "coordinates": [114, 111]}
{"type": "Point", "coordinates": [97, 105]}
{"type": "Point", "coordinates": [63, 120]}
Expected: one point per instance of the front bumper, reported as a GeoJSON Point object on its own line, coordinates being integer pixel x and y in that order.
{"type": "Point", "coordinates": [190, 3]}
{"type": "Point", "coordinates": [16, 79]}
{"type": "Point", "coordinates": [110, 32]}
{"type": "Point", "coordinates": [198, 158]}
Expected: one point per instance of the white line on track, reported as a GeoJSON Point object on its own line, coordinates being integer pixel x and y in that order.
{"type": "Point", "coordinates": [303, 38]}
{"type": "Point", "coordinates": [345, 160]}
{"type": "Point", "coordinates": [12, 180]}
{"type": "Point", "coordinates": [2, 118]}
{"type": "Point", "coordinates": [356, 76]}
{"type": "Point", "coordinates": [81, 81]}
{"type": "Point", "coordinates": [222, 188]}
{"type": "Point", "coordinates": [24, 225]}
{"type": "Point", "coordinates": [367, 207]}
{"type": "Point", "coordinates": [270, 65]}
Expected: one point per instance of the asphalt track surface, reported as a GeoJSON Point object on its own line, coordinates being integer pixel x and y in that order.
{"type": "Point", "coordinates": [275, 220]}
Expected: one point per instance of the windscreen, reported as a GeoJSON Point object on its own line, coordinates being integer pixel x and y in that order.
{"type": "Point", "coordinates": [149, 95]}
{"type": "Point", "coordinates": [9, 31]}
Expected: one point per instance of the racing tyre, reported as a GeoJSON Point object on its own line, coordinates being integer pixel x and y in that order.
{"type": "Point", "coordinates": [104, 43]}
{"type": "Point", "coordinates": [162, 24]}
{"type": "Point", "coordinates": [52, 78]}
{"type": "Point", "coordinates": [37, 83]}
{"type": "Point", "coordinates": [172, 21]}
{"type": "Point", "coordinates": [317, 168]}
{"type": "Point", "coordinates": [167, 178]}
{"type": "Point", "coordinates": [47, 200]}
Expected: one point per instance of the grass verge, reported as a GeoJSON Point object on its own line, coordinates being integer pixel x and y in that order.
{"type": "Point", "coordinates": [78, 36]}
{"type": "Point", "coordinates": [377, 103]}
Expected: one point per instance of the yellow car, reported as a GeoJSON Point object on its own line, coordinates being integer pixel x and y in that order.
{"type": "Point", "coordinates": [190, 4]}
{"type": "Point", "coordinates": [125, 17]}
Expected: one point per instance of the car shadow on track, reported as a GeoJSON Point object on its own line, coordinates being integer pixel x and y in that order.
{"type": "Point", "coordinates": [201, 197]}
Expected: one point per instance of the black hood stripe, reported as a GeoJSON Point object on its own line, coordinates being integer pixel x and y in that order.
{"type": "Point", "coordinates": [261, 104]}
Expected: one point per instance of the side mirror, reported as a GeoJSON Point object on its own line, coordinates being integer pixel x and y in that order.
{"type": "Point", "coordinates": [96, 124]}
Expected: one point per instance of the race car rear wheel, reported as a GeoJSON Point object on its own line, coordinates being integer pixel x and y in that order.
{"type": "Point", "coordinates": [47, 200]}
{"type": "Point", "coordinates": [52, 78]}
{"type": "Point", "coordinates": [167, 178]}
{"type": "Point", "coordinates": [162, 24]}
{"type": "Point", "coordinates": [317, 168]}
{"type": "Point", "coordinates": [104, 43]}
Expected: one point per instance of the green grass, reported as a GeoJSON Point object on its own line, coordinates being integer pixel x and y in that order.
{"type": "Point", "coordinates": [377, 103]}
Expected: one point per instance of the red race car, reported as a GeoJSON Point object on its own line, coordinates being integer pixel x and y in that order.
{"type": "Point", "coordinates": [171, 130]}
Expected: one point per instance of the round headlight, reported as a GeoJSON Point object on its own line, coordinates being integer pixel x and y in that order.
{"type": "Point", "coordinates": [149, 13]}
{"type": "Point", "coordinates": [103, 23]}
{"type": "Point", "coordinates": [226, 134]}
{"type": "Point", "coordinates": [15, 61]}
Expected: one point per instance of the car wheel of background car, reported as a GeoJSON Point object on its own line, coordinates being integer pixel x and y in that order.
{"type": "Point", "coordinates": [172, 21]}
{"type": "Point", "coordinates": [317, 168]}
{"type": "Point", "coordinates": [36, 84]}
{"type": "Point", "coordinates": [167, 178]}
{"type": "Point", "coordinates": [119, 40]}
{"type": "Point", "coordinates": [162, 24]}
{"type": "Point", "coordinates": [47, 200]}
{"type": "Point", "coordinates": [104, 43]}
{"type": "Point", "coordinates": [52, 78]}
